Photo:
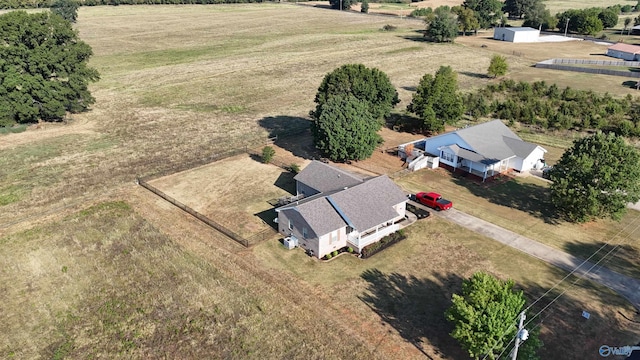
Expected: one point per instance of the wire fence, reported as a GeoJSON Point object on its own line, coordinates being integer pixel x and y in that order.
{"type": "Point", "coordinates": [221, 228]}
{"type": "Point", "coordinates": [565, 64]}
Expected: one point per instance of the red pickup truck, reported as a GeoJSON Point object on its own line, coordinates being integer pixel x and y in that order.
{"type": "Point", "coordinates": [434, 200]}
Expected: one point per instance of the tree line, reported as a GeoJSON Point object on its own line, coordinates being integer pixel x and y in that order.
{"type": "Point", "coordinates": [550, 107]}
{"type": "Point", "coordinates": [27, 4]}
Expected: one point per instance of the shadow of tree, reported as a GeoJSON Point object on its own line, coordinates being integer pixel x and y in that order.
{"type": "Point", "coordinates": [630, 84]}
{"type": "Point", "coordinates": [527, 197]}
{"type": "Point", "coordinates": [410, 88]}
{"type": "Point", "coordinates": [404, 123]}
{"type": "Point", "coordinates": [566, 331]}
{"type": "Point", "coordinates": [293, 134]}
{"type": "Point", "coordinates": [474, 75]}
{"type": "Point", "coordinates": [624, 257]}
{"type": "Point", "coordinates": [415, 308]}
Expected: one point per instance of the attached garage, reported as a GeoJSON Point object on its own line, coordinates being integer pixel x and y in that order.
{"type": "Point", "coordinates": [516, 34]}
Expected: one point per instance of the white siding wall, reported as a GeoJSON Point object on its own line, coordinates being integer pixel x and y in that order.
{"type": "Point", "coordinates": [621, 55]}
{"type": "Point", "coordinates": [526, 36]}
{"type": "Point", "coordinates": [532, 159]}
{"type": "Point", "coordinates": [503, 34]}
{"type": "Point", "coordinates": [401, 209]}
{"type": "Point", "coordinates": [324, 242]}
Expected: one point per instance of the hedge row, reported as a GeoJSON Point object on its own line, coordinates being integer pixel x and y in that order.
{"type": "Point", "coordinates": [384, 243]}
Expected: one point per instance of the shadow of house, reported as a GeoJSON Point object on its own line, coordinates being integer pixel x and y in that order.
{"type": "Point", "coordinates": [530, 198]}
{"type": "Point", "coordinates": [286, 182]}
{"type": "Point", "coordinates": [415, 308]}
{"type": "Point", "coordinates": [268, 216]}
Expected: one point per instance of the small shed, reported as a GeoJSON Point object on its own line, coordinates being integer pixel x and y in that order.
{"type": "Point", "coordinates": [516, 34]}
{"type": "Point", "coordinates": [624, 51]}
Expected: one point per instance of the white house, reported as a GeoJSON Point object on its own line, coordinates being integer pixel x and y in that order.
{"type": "Point", "coordinates": [348, 212]}
{"type": "Point", "coordinates": [484, 150]}
{"type": "Point", "coordinates": [516, 34]}
{"type": "Point", "coordinates": [624, 51]}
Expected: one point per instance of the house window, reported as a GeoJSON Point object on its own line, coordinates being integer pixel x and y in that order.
{"type": "Point", "coordinates": [447, 156]}
{"type": "Point", "coordinates": [304, 232]}
{"type": "Point", "coordinates": [290, 225]}
{"type": "Point", "coordinates": [334, 237]}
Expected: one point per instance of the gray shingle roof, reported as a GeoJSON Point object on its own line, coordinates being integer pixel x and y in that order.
{"type": "Point", "coordinates": [321, 216]}
{"type": "Point", "coordinates": [364, 206]}
{"type": "Point", "coordinates": [370, 203]}
{"type": "Point", "coordinates": [493, 140]}
{"type": "Point", "coordinates": [324, 177]}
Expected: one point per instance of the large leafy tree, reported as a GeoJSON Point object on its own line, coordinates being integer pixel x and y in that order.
{"type": "Point", "coordinates": [437, 100]}
{"type": "Point", "coordinates": [344, 129]}
{"type": "Point", "coordinates": [483, 315]}
{"type": "Point", "coordinates": [467, 19]}
{"type": "Point", "coordinates": [369, 85]}
{"type": "Point", "coordinates": [596, 178]}
{"type": "Point", "coordinates": [488, 12]}
{"type": "Point", "coordinates": [43, 68]}
{"type": "Point", "coordinates": [609, 18]}
{"type": "Point", "coordinates": [518, 8]}
{"type": "Point", "coordinates": [443, 26]}
{"type": "Point", "coordinates": [540, 16]}
{"type": "Point", "coordinates": [68, 9]}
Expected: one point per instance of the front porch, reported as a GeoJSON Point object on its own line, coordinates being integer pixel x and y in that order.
{"type": "Point", "coordinates": [359, 241]}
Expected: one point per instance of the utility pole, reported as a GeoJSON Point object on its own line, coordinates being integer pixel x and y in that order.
{"type": "Point", "coordinates": [340, 5]}
{"type": "Point", "coordinates": [566, 26]}
{"type": "Point", "coordinates": [521, 336]}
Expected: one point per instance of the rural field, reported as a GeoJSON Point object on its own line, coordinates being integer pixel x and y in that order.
{"type": "Point", "coordinates": [94, 266]}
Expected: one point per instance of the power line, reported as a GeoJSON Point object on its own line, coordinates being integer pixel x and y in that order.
{"type": "Point", "coordinates": [570, 286]}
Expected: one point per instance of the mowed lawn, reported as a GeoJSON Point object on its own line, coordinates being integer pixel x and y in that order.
{"type": "Point", "coordinates": [409, 286]}
{"type": "Point", "coordinates": [522, 205]}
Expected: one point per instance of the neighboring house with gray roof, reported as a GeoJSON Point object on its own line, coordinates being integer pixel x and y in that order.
{"type": "Point", "coordinates": [484, 150]}
{"type": "Point", "coordinates": [342, 216]}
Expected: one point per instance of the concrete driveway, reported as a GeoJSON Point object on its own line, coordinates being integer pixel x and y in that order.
{"type": "Point", "coordinates": [626, 286]}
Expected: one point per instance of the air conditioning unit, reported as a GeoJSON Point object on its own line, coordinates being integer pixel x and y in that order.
{"type": "Point", "coordinates": [290, 242]}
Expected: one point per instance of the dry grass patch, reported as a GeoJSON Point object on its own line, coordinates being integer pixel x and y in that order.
{"type": "Point", "coordinates": [104, 283]}
{"type": "Point", "coordinates": [237, 192]}
{"type": "Point", "coordinates": [409, 285]}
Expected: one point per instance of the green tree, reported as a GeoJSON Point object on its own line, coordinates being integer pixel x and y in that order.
{"type": "Point", "coordinates": [437, 100]}
{"type": "Point", "coordinates": [483, 315]}
{"type": "Point", "coordinates": [498, 66]}
{"type": "Point", "coordinates": [540, 16]}
{"type": "Point", "coordinates": [488, 12]}
{"type": "Point", "coordinates": [466, 19]}
{"type": "Point", "coordinates": [627, 22]}
{"type": "Point", "coordinates": [609, 18]}
{"type": "Point", "coordinates": [43, 68]}
{"type": "Point", "coordinates": [596, 178]}
{"type": "Point", "coordinates": [345, 129]}
{"type": "Point", "coordinates": [267, 154]}
{"type": "Point", "coordinates": [371, 86]}
{"type": "Point", "coordinates": [346, 4]}
{"type": "Point", "coordinates": [518, 8]}
{"type": "Point", "coordinates": [68, 9]}
{"type": "Point", "coordinates": [443, 27]}
{"type": "Point", "coordinates": [364, 6]}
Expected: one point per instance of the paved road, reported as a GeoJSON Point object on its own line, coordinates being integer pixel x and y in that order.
{"type": "Point", "coordinates": [624, 285]}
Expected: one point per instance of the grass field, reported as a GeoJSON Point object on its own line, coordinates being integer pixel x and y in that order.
{"type": "Point", "coordinates": [139, 278]}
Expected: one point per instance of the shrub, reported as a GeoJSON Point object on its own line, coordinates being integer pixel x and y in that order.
{"type": "Point", "coordinates": [295, 168]}
{"type": "Point", "coordinates": [350, 250]}
{"type": "Point", "coordinates": [334, 253]}
{"type": "Point", "coordinates": [389, 28]}
{"type": "Point", "coordinates": [421, 12]}
{"type": "Point", "coordinates": [328, 256]}
{"type": "Point", "coordinates": [364, 7]}
{"type": "Point", "coordinates": [267, 154]}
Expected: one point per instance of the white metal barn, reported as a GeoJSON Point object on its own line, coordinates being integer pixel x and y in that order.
{"type": "Point", "coordinates": [516, 34]}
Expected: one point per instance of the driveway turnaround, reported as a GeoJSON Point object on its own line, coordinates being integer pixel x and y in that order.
{"type": "Point", "coordinates": [626, 286]}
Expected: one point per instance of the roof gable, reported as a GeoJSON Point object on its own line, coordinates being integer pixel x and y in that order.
{"type": "Point", "coordinates": [323, 177]}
